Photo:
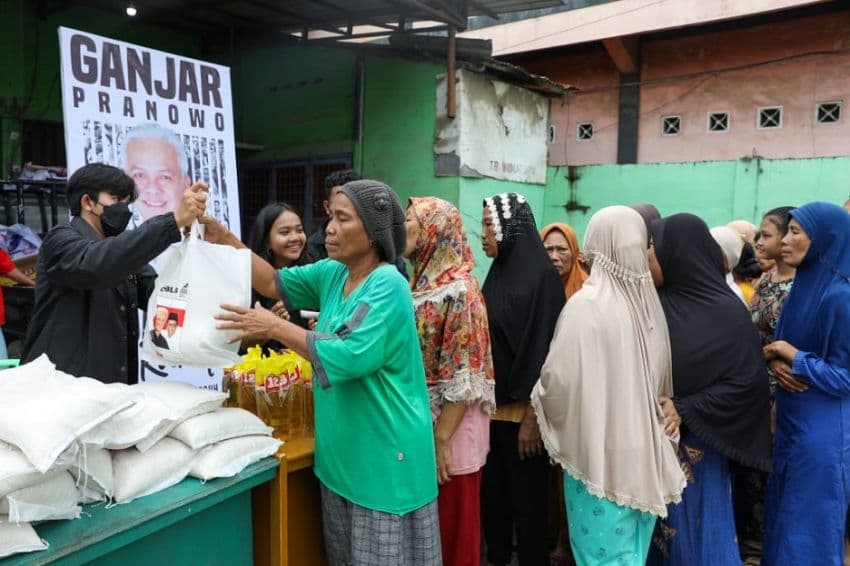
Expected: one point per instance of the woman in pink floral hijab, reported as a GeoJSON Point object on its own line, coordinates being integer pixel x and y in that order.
{"type": "Point", "coordinates": [452, 322]}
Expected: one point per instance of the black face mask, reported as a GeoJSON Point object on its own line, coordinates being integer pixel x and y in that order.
{"type": "Point", "coordinates": [115, 218]}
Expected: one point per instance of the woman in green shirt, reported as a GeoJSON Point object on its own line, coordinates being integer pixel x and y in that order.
{"type": "Point", "coordinates": [374, 442]}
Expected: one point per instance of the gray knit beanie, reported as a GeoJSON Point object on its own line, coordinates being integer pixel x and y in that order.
{"type": "Point", "coordinates": [382, 215]}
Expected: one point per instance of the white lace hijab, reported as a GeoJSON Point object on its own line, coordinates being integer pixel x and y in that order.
{"type": "Point", "coordinates": [608, 363]}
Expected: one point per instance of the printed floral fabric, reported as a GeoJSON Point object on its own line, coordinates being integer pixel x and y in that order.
{"type": "Point", "coordinates": [603, 532]}
{"type": "Point", "coordinates": [450, 313]}
{"type": "Point", "coordinates": [765, 309]}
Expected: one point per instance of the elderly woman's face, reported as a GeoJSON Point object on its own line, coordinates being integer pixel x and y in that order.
{"type": "Point", "coordinates": [345, 236]}
{"type": "Point", "coordinates": [413, 226]}
{"type": "Point", "coordinates": [795, 244]}
{"type": "Point", "coordinates": [558, 248]}
{"type": "Point", "coordinates": [488, 234]}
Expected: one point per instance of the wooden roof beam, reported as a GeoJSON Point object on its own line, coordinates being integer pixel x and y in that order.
{"type": "Point", "coordinates": [624, 52]}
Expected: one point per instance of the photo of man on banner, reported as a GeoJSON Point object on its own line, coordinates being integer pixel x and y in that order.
{"type": "Point", "coordinates": [154, 157]}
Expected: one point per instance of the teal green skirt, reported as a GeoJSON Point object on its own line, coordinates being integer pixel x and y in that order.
{"type": "Point", "coordinates": [602, 533]}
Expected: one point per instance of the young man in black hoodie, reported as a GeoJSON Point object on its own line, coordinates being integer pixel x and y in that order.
{"type": "Point", "coordinates": [92, 275]}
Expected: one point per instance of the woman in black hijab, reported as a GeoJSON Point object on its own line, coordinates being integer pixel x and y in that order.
{"type": "Point", "coordinates": [524, 296]}
{"type": "Point", "coordinates": [719, 384]}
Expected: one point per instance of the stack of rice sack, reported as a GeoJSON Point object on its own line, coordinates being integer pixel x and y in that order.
{"type": "Point", "coordinates": [66, 441]}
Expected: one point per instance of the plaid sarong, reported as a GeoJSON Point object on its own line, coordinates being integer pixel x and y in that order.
{"type": "Point", "coordinates": [356, 536]}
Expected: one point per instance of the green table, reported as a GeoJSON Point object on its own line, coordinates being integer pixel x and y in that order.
{"type": "Point", "coordinates": [190, 523]}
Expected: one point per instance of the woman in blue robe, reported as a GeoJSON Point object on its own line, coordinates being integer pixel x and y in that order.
{"type": "Point", "coordinates": [809, 487]}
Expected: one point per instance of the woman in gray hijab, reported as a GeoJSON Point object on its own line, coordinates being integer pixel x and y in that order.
{"type": "Point", "coordinates": [374, 442]}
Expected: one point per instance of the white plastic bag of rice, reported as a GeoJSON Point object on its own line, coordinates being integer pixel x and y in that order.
{"type": "Point", "coordinates": [216, 426]}
{"type": "Point", "coordinates": [17, 472]}
{"type": "Point", "coordinates": [230, 457]}
{"type": "Point", "coordinates": [183, 400]}
{"type": "Point", "coordinates": [44, 411]}
{"type": "Point", "coordinates": [137, 473]}
{"type": "Point", "coordinates": [54, 498]}
{"type": "Point", "coordinates": [93, 472]}
{"type": "Point", "coordinates": [148, 420]}
{"type": "Point", "coordinates": [19, 537]}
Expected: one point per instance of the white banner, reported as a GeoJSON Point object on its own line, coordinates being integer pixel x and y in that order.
{"type": "Point", "coordinates": [165, 119]}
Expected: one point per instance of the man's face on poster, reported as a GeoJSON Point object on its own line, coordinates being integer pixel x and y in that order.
{"type": "Point", "coordinates": [171, 327]}
{"type": "Point", "coordinates": [154, 164]}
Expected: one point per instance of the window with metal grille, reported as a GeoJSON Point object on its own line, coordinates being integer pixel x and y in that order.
{"type": "Point", "coordinates": [828, 112]}
{"type": "Point", "coordinates": [43, 143]}
{"type": "Point", "coordinates": [671, 125]}
{"type": "Point", "coordinates": [290, 185]}
{"type": "Point", "coordinates": [584, 131]}
{"type": "Point", "coordinates": [301, 184]}
{"type": "Point", "coordinates": [253, 196]}
{"type": "Point", "coordinates": [770, 118]}
{"type": "Point", "coordinates": [718, 121]}
{"type": "Point", "coordinates": [320, 171]}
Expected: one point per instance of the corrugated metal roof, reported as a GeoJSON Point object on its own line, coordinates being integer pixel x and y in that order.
{"type": "Point", "coordinates": [293, 16]}
{"type": "Point", "coordinates": [474, 55]}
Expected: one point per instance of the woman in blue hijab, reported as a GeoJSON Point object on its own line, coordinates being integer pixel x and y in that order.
{"type": "Point", "coordinates": [809, 488]}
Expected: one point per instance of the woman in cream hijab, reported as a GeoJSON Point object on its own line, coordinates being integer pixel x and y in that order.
{"type": "Point", "coordinates": [603, 395]}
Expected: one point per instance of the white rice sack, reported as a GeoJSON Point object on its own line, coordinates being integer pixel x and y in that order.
{"type": "Point", "coordinates": [54, 498]}
{"type": "Point", "coordinates": [15, 538]}
{"type": "Point", "coordinates": [88, 495]}
{"type": "Point", "coordinates": [230, 457]}
{"type": "Point", "coordinates": [44, 413]}
{"type": "Point", "coordinates": [17, 472]}
{"type": "Point", "coordinates": [142, 473]}
{"type": "Point", "coordinates": [184, 400]}
{"type": "Point", "coordinates": [218, 425]}
{"type": "Point", "coordinates": [147, 421]}
{"type": "Point", "coordinates": [39, 368]}
{"type": "Point", "coordinates": [98, 388]}
{"type": "Point", "coordinates": [93, 471]}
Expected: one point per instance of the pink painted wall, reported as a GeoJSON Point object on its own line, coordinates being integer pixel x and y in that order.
{"type": "Point", "coordinates": [592, 73]}
{"type": "Point", "coordinates": [794, 64]}
{"type": "Point", "coordinates": [812, 65]}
